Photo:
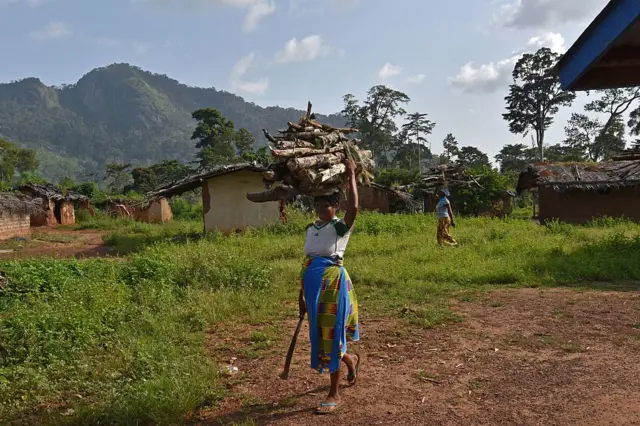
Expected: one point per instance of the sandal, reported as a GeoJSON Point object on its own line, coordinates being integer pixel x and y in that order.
{"type": "Point", "coordinates": [352, 377]}
{"type": "Point", "coordinates": [330, 407]}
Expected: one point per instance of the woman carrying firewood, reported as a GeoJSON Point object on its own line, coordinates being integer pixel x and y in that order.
{"type": "Point", "coordinates": [328, 292]}
{"type": "Point", "coordinates": [445, 219]}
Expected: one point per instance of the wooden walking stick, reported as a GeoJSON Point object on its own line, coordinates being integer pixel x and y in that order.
{"type": "Point", "coordinates": [302, 309]}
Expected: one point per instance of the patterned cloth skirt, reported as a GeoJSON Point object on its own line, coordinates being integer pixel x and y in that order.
{"type": "Point", "coordinates": [332, 310]}
{"type": "Point", "coordinates": [443, 235]}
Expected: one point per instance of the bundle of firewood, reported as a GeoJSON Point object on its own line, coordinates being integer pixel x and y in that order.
{"type": "Point", "coordinates": [309, 159]}
{"type": "Point", "coordinates": [446, 175]}
{"type": "Point", "coordinates": [443, 176]}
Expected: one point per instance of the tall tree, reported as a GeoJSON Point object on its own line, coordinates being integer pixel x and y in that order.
{"type": "Point", "coordinates": [595, 140]}
{"type": "Point", "coordinates": [615, 103]}
{"type": "Point", "coordinates": [581, 132]}
{"type": "Point", "coordinates": [405, 156]}
{"type": "Point", "coordinates": [514, 158]}
{"type": "Point", "coordinates": [14, 158]}
{"type": "Point", "coordinates": [450, 145]}
{"type": "Point", "coordinates": [417, 128]}
{"type": "Point", "coordinates": [472, 158]}
{"type": "Point", "coordinates": [146, 179]}
{"type": "Point", "coordinates": [216, 138]}
{"type": "Point", "coordinates": [244, 141]}
{"type": "Point", "coordinates": [117, 177]}
{"type": "Point", "coordinates": [558, 153]}
{"type": "Point", "coordinates": [535, 96]}
{"type": "Point", "coordinates": [375, 119]}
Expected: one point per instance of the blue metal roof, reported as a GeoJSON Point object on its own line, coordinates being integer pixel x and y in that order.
{"type": "Point", "coordinates": [607, 54]}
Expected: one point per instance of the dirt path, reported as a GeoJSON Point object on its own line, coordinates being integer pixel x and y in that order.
{"type": "Point", "coordinates": [60, 243]}
{"type": "Point", "coordinates": [525, 357]}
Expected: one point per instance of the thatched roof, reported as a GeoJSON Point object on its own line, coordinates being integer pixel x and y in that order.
{"type": "Point", "coordinates": [195, 181]}
{"type": "Point", "coordinates": [52, 192]}
{"type": "Point", "coordinates": [18, 204]}
{"type": "Point", "coordinates": [585, 176]}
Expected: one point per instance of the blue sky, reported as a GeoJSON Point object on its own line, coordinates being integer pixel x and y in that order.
{"type": "Point", "coordinates": [453, 58]}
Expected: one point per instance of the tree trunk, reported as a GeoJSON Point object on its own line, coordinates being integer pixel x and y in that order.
{"type": "Point", "coordinates": [304, 152]}
{"type": "Point", "coordinates": [317, 161]}
{"type": "Point", "coordinates": [289, 144]}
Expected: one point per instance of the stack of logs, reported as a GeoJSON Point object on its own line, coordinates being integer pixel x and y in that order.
{"type": "Point", "coordinates": [308, 159]}
{"type": "Point", "coordinates": [444, 176]}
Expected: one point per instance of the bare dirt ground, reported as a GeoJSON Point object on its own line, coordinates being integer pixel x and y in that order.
{"type": "Point", "coordinates": [59, 243]}
{"type": "Point", "coordinates": [519, 357]}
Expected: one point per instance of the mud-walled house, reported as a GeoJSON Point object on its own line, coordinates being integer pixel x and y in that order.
{"type": "Point", "coordinates": [581, 192]}
{"type": "Point", "coordinates": [57, 206]}
{"type": "Point", "coordinates": [15, 213]}
{"type": "Point", "coordinates": [225, 205]}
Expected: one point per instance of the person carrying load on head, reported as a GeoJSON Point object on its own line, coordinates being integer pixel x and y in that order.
{"type": "Point", "coordinates": [329, 295]}
{"type": "Point", "coordinates": [445, 219]}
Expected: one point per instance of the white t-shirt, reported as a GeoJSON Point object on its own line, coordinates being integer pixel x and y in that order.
{"type": "Point", "coordinates": [327, 239]}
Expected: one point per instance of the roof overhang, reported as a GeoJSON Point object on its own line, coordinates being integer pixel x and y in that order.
{"type": "Point", "coordinates": [192, 182]}
{"type": "Point", "coordinates": [607, 54]}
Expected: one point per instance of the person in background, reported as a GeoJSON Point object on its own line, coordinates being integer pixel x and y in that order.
{"type": "Point", "coordinates": [445, 219]}
{"type": "Point", "coordinates": [329, 295]}
{"type": "Point", "coordinates": [282, 208]}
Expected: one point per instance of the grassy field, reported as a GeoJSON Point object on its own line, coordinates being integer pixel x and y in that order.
{"type": "Point", "coordinates": [120, 341]}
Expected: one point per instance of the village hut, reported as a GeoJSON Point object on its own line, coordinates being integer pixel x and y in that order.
{"type": "Point", "coordinates": [156, 211]}
{"type": "Point", "coordinates": [580, 192]}
{"type": "Point", "coordinates": [15, 213]}
{"type": "Point", "coordinates": [375, 197]}
{"type": "Point", "coordinates": [225, 204]}
{"type": "Point", "coordinates": [57, 206]}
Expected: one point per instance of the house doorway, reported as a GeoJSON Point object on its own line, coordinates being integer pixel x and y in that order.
{"type": "Point", "coordinates": [57, 211]}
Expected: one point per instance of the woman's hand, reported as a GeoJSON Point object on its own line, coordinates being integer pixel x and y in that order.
{"type": "Point", "coordinates": [351, 166]}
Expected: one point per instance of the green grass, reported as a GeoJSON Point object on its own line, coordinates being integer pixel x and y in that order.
{"type": "Point", "coordinates": [122, 342]}
{"type": "Point", "coordinates": [58, 238]}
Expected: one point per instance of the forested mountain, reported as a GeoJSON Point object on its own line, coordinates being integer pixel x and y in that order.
{"type": "Point", "coordinates": [121, 113]}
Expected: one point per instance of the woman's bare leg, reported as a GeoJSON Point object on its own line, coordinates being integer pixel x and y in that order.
{"type": "Point", "coordinates": [334, 395]}
{"type": "Point", "coordinates": [350, 361]}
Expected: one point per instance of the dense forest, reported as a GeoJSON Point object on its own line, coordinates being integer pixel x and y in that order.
{"type": "Point", "coordinates": [120, 114]}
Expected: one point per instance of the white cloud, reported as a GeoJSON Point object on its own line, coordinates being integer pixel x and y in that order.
{"type": "Point", "coordinates": [389, 70]}
{"type": "Point", "coordinates": [416, 79]}
{"type": "Point", "coordinates": [238, 72]}
{"type": "Point", "coordinates": [307, 49]}
{"type": "Point", "coordinates": [255, 10]}
{"type": "Point", "coordinates": [546, 14]}
{"type": "Point", "coordinates": [493, 76]}
{"type": "Point", "coordinates": [554, 41]}
{"type": "Point", "coordinates": [485, 78]}
{"type": "Point", "coordinates": [52, 30]}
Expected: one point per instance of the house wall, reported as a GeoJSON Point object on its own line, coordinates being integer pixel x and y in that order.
{"type": "Point", "coordinates": [47, 216]}
{"type": "Point", "coordinates": [14, 226]}
{"type": "Point", "coordinates": [578, 206]}
{"type": "Point", "coordinates": [370, 198]}
{"type": "Point", "coordinates": [85, 205]}
{"type": "Point", "coordinates": [158, 211]}
{"type": "Point", "coordinates": [67, 213]}
{"type": "Point", "coordinates": [226, 207]}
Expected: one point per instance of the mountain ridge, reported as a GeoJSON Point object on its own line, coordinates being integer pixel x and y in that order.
{"type": "Point", "coordinates": [122, 113]}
